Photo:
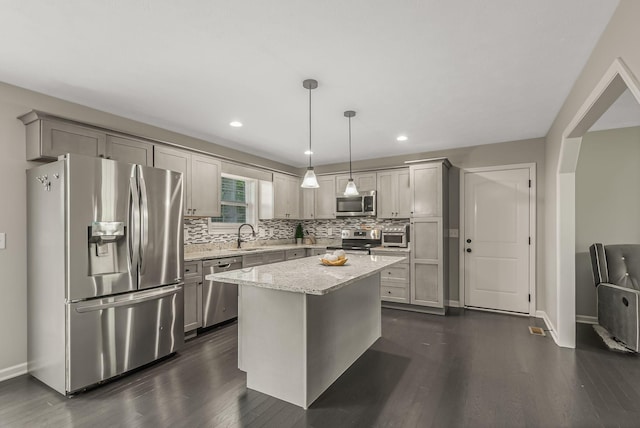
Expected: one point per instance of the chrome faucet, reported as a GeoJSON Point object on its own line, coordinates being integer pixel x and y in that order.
{"type": "Point", "coordinates": [253, 232]}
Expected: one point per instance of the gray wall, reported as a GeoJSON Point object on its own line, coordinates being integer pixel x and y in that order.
{"type": "Point", "coordinates": [13, 283]}
{"type": "Point", "coordinates": [620, 39]}
{"type": "Point", "coordinates": [514, 152]}
{"type": "Point", "coordinates": [607, 201]}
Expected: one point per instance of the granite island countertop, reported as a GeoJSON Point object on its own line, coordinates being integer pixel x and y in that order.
{"type": "Point", "coordinates": [232, 252]}
{"type": "Point", "coordinates": [308, 275]}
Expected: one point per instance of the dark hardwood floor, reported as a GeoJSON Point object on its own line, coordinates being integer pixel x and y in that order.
{"type": "Point", "coordinates": [470, 368]}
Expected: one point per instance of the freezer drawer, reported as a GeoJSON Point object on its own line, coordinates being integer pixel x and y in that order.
{"type": "Point", "coordinates": [110, 336]}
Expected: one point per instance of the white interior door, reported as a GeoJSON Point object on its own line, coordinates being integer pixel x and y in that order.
{"type": "Point", "coordinates": [496, 239]}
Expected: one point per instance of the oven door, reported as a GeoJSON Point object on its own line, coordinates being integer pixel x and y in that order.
{"type": "Point", "coordinates": [394, 240]}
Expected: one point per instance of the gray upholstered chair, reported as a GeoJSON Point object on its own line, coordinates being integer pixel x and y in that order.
{"type": "Point", "coordinates": [616, 273]}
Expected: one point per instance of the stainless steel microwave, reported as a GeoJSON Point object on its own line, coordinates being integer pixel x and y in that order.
{"type": "Point", "coordinates": [362, 205]}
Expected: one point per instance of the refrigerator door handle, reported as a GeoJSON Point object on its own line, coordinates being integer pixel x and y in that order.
{"type": "Point", "coordinates": [144, 220]}
{"type": "Point", "coordinates": [129, 302]}
{"type": "Point", "coordinates": [134, 222]}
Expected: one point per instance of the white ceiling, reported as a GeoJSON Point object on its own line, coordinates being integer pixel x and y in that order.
{"type": "Point", "coordinates": [446, 73]}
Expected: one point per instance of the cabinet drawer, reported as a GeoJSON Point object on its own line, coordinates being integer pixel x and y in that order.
{"type": "Point", "coordinates": [193, 270]}
{"type": "Point", "coordinates": [399, 272]}
{"type": "Point", "coordinates": [394, 293]}
{"type": "Point", "coordinates": [316, 252]}
{"type": "Point", "coordinates": [273, 257]}
{"type": "Point", "coordinates": [295, 254]}
{"type": "Point", "coordinates": [250, 260]}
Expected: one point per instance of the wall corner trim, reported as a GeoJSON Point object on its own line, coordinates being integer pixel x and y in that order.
{"type": "Point", "coordinates": [11, 372]}
{"type": "Point", "coordinates": [549, 324]}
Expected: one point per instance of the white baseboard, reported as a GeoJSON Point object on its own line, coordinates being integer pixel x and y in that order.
{"type": "Point", "coordinates": [10, 372]}
{"type": "Point", "coordinates": [549, 324]}
{"type": "Point", "coordinates": [452, 303]}
{"type": "Point", "coordinates": [586, 319]}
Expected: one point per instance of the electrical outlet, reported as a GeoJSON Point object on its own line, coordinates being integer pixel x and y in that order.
{"type": "Point", "coordinates": [453, 233]}
{"type": "Point", "coordinates": [330, 231]}
{"type": "Point", "coordinates": [3, 241]}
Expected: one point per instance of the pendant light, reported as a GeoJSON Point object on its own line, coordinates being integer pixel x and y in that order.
{"type": "Point", "coordinates": [351, 189]}
{"type": "Point", "coordinates": [310, 181]}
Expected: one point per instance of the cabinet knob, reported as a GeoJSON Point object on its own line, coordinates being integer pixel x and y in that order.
{"type": "Point", "coordinates": [468, 241]}
{"type": "Point", "coordinates": [468, 250]}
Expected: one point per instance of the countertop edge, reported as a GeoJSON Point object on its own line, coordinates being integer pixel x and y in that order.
{"type": "Point", "coordinates": [314, 292]}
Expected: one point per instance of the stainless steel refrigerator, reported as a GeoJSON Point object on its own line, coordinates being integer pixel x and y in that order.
{"type": "Point", "coordinates": [105, 269]}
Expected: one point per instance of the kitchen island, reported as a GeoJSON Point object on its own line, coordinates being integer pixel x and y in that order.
{"type": "Point", "coordinates": [302, 324]}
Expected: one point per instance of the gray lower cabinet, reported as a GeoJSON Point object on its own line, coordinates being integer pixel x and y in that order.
{"type": "Point", "coordinates": [316, 252]}
{"type": "Point", "coordinates": [249, 260]}
{"type": "Point", "coordinates": [296, 253]}
{"type": "Point", "coordinates": [192, 295]}
{"type": "Point", "coordinates": [395, 280]}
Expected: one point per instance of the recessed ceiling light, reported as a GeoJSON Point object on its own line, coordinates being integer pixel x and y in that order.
{"type": "Point", "coordinates": [308, 152]}
{"type": "Point", "coordinates": [402, 138]}
{"type": "Point", "coordinates": [236, 124]}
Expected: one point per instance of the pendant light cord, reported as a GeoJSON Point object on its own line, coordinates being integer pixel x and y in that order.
{"type": "Point", "coordinates": [310, 128]}
{"type": "Point", "coordinates": [350, 175]}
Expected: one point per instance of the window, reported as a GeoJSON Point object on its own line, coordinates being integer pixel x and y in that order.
{"type": "Point", "coordinates": [238, 198]}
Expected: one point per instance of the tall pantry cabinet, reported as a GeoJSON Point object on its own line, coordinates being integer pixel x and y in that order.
{"type": "Point", "coordinates": [429, 184]}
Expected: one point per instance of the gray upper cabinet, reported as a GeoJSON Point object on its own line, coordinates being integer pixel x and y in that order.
{"type": "Point", "coordinates": [125, 149]}
{"type": "Point", "coordinates": [205, 186]}
{"type": "Point", "coordinates": [47, 138]}
{"type": "Point", "coordinates": [308, 204]}
{"type": "Point", "coordinates": [319, 203]}
{"type": "Point", "coordinates": [394, 194]}
{"type": "Point", "coordinates": [426, 190]}
{"type": "Point", "coordinates": [325, 197]}
{"type": "Point", "coordinates": [201, 179]}
{"type": "Point", "coordinates": [365, 181]}
{"type": "Point", "coordinates": [286, 196]}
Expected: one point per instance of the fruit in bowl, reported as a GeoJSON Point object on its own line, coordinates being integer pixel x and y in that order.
{"type": "Point", "coordinates": [337, 258]}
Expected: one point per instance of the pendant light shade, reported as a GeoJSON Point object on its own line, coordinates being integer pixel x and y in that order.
{"type": "Point", "coordinates": [310, 181]}
{"type": "Point", "coordinates": [351, 189]}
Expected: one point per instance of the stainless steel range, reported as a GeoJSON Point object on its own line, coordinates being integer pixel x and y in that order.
{"type": "Point", "coordinates": [359, 241]}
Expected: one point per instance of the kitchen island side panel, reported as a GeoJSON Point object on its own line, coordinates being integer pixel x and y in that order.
{"type": "Point", "coordinates": [273, 342]}
{"type": "Point", "coordinates": [341, 326]}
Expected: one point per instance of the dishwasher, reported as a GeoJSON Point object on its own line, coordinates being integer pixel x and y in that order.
{"type": "Point", "coordinates": [219, 299]}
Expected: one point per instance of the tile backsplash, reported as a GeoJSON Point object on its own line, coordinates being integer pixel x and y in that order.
{"type": "Point", "coordinates": [197, 229]}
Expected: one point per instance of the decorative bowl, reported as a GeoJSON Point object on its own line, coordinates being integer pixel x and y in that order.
{"type": "Point", "coordinates": [338, 262]}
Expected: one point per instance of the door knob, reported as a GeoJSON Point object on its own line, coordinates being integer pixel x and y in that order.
{"type": "Point", "coordinates": [468, 250]}
{"type": "Point", "coordinates": [468, 241]}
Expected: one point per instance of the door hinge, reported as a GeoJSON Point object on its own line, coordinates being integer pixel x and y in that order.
{"type": "Point", "coordinates": [529, 240]}
{"type": "Point", "coordinates": [529, 297]}
{"type": "Point", "coordinates": [529, 183]}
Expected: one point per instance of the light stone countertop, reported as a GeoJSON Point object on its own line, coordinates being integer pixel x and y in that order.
{"type": "Point", "coordinates": [308, 275]}
{"type": "Point", "coordinates": [393, 249]}
{"type": "Point", "coordinates": [229, 252]}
